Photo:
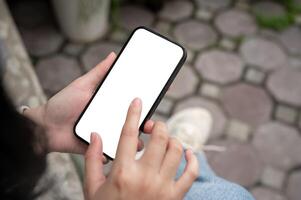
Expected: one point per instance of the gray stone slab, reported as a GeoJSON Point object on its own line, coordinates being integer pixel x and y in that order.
{"type": "Point", "coordinates": [273, 177]}
{"type": "Point", "coordinates": [254, 75]}
{"type": "Point", "coordinates": [165, 106]}
{"type": "Point", "coordinates": [195, 35]}
{"type": "Point", "coordinates": [213, 4]}
{"type": "Point", "coordinates": [227, 44]}
{"type": "Point", "coordinates": [279, 145]}
{"type": "Point", "coordinates": [233, 163]}
{"type": "Point", "coordinates": [263, 193]}
{"type": "Point", "coordinates": [293, 186]}
{"type": "Point", "coordinates": [235, 23]}
{"type": "Point", "coordinates": [176, 10]}
{"type": "Point", "coordinates": [285, 84]}
{"type": "Point", "coordinates": [210, 90]}
{"type": "Point", "coordinates": [57, 72]}
{"type": "Point", "coordinates": [97, 52]}
{"type": "Point", "coordinates": [263, 53]}
{"type": "Point", "coordinates": [286, 113]}
{"type": "Point", "coordinates": [238, 130]}
{"type": "Point", "coordinates": [131, 17]}
{"type": "Point", "coordinates": [42, 40]}
{"type": "Point", "coordinates": [219, 66]}
{"type": "Point", "coordinates": [219, 118]}
{"type": "Point", "coordinates": [73, 49]}
{"type": "Point", "coordinates": [184, 84]}
{"type": "Point", "coordinates": [204, 14]}
{"type": "Point", "coordinates": [163, 27]}
{"type": "Point", "coordinates": [247, 103]}
{"type": "Point", "coordinates": [291, 39]}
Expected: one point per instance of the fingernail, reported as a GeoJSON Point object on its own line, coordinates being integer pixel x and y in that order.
{"type": "Point", "coordinates": [136, 102]}
{"type": "Point", "coordinates": [189, 151]}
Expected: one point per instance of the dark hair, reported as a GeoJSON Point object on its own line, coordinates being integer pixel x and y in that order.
{"type": "Point", "coordinates": [21, 163]}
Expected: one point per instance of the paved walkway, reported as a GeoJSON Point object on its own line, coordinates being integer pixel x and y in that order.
{"type": "Point", "coordinates": [248, 78]}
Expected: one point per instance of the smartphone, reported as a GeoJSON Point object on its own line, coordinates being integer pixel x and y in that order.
{"type": "Point", "coordinates": [144, 68]}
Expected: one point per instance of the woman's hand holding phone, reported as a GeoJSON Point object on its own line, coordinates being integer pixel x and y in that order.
{"type": "Point", "coordinates": [58, 115]}
{"type": "Point", "coordinates": [150, 177]}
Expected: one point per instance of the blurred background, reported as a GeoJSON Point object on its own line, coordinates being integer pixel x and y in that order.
{"type": "Point", "coordinates": [243, 65]}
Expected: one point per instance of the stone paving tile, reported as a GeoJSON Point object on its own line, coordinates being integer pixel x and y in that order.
{"type": "Point", "coordinates": [254, 76]}
{"type": "Point", "coordinates": [227, 44]}
{"type": "Point", "coordinates": [285, 85]}
{"type": "Point", "coordinates": [242, 5]}
{"type": "Point", "coordinates": [286, 113]}
{"type": "Point", "coordinates": [291, 39]}
{"type": "Point", "coordinates": [247, 103]}
{"type": "Point", "coordinates": [42, 40]}
{"type": "Point", "coordinates": [119, 35]}
{"type": "Point", "coordinates": [219, 66]}
{"type": "Point", "coordinates": [73, 49]}
{"type": "Point", "coordinates": [219, 118]}
{"type": "Point", "coordinates": [165, 106]}
{"type": "Point", "coordinates": [184, 84]}
{"type": "Point", "coordinates": [97, 52]}
{"type": "Point", "coordinates": [262, 193]}
{"type": "Point", "coordinates": [163, 28]}
{"type": "Point", "coordinates": [238, 130]}
{"type": "Point", "coordinates": [235, 23]}
{"type": "Point", "coordinates": [263, 53]}
{"type": "Point", "coordinates": [273, 178]}
{"type": "Point", "coordinates": [226, 164]}
{"type": "Point", "coordinates": [57, 72]}
{"type": "Point", "coordinates": [295, 62]}
{"type": "Point", "coordinates": [210, 90]}
{"type": "Point", "coordinates": [293, 186]}
{"type": "Point", "coordinates": [279, 145]}
{"type": "Point", "coordinates": [176, 10]}
{"type": "Point", "coordinates": [268, 9]}
{"type": "Point", "coordinates": [195, 35]}
{"type": "Point", "coordinates": [213, 4]}
{"type": "Point", "coordinates": [204, 15]}
{"type": "Point", "coordinates": [133, 16]}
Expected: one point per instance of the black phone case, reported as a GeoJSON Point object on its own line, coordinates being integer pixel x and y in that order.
{"type": "Point", "coordinates": [159, 98]}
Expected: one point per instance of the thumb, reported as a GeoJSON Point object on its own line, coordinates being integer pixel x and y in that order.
{"type": "Point", "coordinates": [94, 176]}
{"type": "Point", "coordinates": [95, 75]}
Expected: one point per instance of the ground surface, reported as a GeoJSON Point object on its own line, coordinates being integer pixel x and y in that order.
{"type": "Point", "coordinates": [249, 78]}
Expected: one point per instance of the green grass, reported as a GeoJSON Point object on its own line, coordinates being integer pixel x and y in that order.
{"type": "Point", "coordinates": [282, 21]}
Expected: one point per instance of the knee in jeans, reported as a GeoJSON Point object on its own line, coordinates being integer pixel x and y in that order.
{"type": "Point", "coordinates": [232, 191]}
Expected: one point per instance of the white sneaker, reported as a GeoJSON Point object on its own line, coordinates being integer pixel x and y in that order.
{"type": "Point", "coordinates": [192, 128]}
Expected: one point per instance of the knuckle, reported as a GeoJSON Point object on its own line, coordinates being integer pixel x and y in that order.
{"type": "Point", "coordinates": [192, 173]}
{"type": "Point", "coordinates": [160, 132]}
{"type": "Point", "coordinates": [176, 146]}
{"type": "Point", "coordinates": [120, 178]}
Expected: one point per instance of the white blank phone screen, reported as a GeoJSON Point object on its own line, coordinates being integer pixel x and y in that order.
{"type": "Point", "coordinates": [142, 70]}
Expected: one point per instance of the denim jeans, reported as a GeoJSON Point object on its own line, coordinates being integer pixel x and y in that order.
{"type": "Point", "coordinates": [208, 186]}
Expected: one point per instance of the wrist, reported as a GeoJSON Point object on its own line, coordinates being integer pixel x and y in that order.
{"type": "Point", "coordinates": [37, 116]}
